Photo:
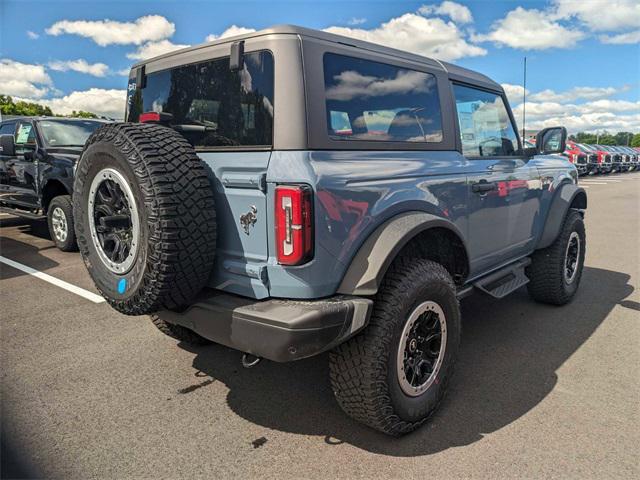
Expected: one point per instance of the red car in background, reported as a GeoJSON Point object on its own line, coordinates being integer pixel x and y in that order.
{"type": "Point", "coordinates": [576, 156]}
{"type": "Point", "coordinates": [605, 159]}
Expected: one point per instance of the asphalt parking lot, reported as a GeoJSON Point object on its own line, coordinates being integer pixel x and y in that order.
{"type": "Point", "coordinates": [539, 391]}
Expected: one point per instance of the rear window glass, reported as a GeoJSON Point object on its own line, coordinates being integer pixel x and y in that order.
{"type": "Point", "coordinates": [211, 105]}
{"type": "Point", "coordinates": [373, 101]}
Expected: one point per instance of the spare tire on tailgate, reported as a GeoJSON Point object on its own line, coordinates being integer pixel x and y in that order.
{"type": "Point", "coordinates": [145, 217]}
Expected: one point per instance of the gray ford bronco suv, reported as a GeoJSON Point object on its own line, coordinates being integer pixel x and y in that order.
{"type": "Point", "coordinates": [291, 192]}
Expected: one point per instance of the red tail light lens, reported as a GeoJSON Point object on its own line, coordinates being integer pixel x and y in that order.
{"type": "Point", "coordinates": [149, 117]}
{"type": "Point", "coordinates": [294, 224]}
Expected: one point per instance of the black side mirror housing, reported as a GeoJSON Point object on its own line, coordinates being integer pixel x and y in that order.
{"type": "Point", "coordinates": [551, 140]}
{"type": "Point", "coordinates": [7, 146]}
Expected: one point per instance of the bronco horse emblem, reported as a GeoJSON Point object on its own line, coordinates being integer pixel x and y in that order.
{"type": "Point", "coordinates": [249, 219]}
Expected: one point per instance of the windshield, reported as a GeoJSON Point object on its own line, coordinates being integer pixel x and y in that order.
{"type": "Point", "coordinates": [584, 148]}
{"type": "Point", "coordinates": [67, 133]}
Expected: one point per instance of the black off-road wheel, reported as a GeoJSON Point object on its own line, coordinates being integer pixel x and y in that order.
{"type": "Point", "coordinates": [394, 374]}
{"type": "Point", "coordinates": [145, 217]}
{"type": "Point", "coordinates": [60, 222]}
{"type": "Point", "coordinates": [555, 271]}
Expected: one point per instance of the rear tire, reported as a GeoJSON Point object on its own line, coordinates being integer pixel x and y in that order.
{"type": "Point", "coordinates": [370, 373]}
{"type": "Point", "coordinates": [555, 271]}
{"type": "Point", "coordinates": [179, 332]}
{"type": "Point", "coordinates": [145, 217]}
{"type": "Point", "coordinates": [60, 221]}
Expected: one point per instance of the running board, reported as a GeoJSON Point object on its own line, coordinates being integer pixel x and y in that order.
{"type": "Point", "coordinates": [506, 280]}
{"type": "Point", "coordinates": [22, 213]}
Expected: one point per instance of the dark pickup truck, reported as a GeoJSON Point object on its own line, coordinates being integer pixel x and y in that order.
{"type": "Point", "coordinates": [37, 159]}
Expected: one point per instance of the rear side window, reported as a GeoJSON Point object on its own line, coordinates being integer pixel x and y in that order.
{"type": "Point", "coordinates": [485, 127]}
{"type": "Point", "coordinates": [211, 105]}
{"type": "Point", "coordinates": [373, 101]}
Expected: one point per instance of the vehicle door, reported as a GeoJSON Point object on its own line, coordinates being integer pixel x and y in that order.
{"type": "Point", "coordinates": [5, 129]}
{"type": "Point", "coordinates": [21, 187]}
{"type": "Point", "coordinates": [505, 190]}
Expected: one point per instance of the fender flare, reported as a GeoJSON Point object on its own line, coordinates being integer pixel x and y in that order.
{"type": "Point", "coordinates": [369, 265]}
{"type": "Point", "coordinates": [560, 204]}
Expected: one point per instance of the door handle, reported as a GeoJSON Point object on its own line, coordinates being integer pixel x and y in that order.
{"type": "Point", "coordinates": [483, 186]}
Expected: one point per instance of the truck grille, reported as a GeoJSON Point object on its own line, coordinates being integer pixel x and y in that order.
{"type": "Point", "coordinates": [582, 159]}
{"type": "Point", "coordinates": [617, 159]}
{"type": "Point", "coordinates": [593, 158]}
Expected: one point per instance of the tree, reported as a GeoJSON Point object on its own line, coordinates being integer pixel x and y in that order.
{"type": "Point", "coordinates": [635, 141]}
{"type": "Point", "coordinates": [83, 114]}
{"type": "Point", "coordinates": [9, 107]}
{"type": "Point", "coordinates": [623, 138]}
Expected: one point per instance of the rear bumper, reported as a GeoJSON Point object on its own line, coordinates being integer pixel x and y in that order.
{"type": "Point", "coordinates": [279, 330]}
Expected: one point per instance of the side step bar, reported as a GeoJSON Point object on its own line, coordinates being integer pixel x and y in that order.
{"type": "Point", "coordinates": [500, 283]}
{"type": "Point", "coordinates": [22, 213]}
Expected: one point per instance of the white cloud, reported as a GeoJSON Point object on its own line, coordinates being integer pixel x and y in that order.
{"type": "Point", "coordinates": [414, 33]}
{"type": "Point", "coordinates": [601, 15]}
{"type": "Point", "coordinates": [32, 35]}
{"type": "Point", "coordinates": [153, 49]}
{"type": "Point", "coordinates": [124, 72]}
{"type": "Point", "coordinates": [629, 37]}
{"type": "Point", "coordinates": [232, 31]}
{"type": "Point", "coordinates": [150, 28]}
{"type": "Point", "coordinates": [356, 21]}
{"type": "Point", "coordinates": [587, 93]}
{"type": "Point", "coordinates": [108, 103]}
{"type": "Point", "coordinates": [514, 92]}
{"type": "Point", "coordinates": [598, 115]}
{"type": "Point", "coordinates": [456, 12]}
{"type": "Point", "coordinates": [80, 65]}
{"type": "Point", "coordinates": [531, 30]}
{"type": "Point", "coordinates": [23, 79]}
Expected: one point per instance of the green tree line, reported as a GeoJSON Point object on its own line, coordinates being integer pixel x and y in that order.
{"type": "Point", "coordinates": [29, 109]}
{"type": "Point", "coordinates": [606, 138]}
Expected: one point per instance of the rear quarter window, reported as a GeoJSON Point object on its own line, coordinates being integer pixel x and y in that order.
{"type": "Point", "coordinates": [372, 101]}
{"type": "Point", "coordinates": [212, 105]}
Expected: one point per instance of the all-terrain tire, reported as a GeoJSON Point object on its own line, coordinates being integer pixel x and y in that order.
{"type": "Point", "coordinates": [547, 281]}
{"type": "Point", "coordinates": [363, 370]}
{"type": "Point", "coordinates": [175, 209]}
{"type": "Point", "coordinates": [179, 332]}
{"type": "Point", "coordinates": [64, 204]}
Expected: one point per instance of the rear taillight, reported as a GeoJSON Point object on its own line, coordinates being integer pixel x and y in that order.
{"type": "Point", "coordinates": [294, 224]}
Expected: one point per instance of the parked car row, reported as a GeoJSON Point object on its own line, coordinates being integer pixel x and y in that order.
{"type": "Point", "coordinates": [594, 159]}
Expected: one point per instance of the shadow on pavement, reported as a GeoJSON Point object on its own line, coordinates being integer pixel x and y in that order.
{"type": "Point", "coordinates": [22, 252]}
{"type": "Point", "coordinates": [508, 359]}
{"type": "Point", "coordinates": [37, 228]}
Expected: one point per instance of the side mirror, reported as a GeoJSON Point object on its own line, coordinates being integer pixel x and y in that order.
{"type": "Point", "coordinates": [7, 146]}
{"type": "Point", "coordinates": [551, 140]}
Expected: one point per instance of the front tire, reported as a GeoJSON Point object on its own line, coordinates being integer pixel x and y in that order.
{"type": "Point", "coordinates": [555, 271]}
{"type": "Point", "coordinates": [394, 374]}
{"type": "Point", "coordinates": [60, 222]}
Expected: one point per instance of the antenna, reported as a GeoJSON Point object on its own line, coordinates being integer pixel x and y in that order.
{"type": "Point", "coordinates": [524, 100]}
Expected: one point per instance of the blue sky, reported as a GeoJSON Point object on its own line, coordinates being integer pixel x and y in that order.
{"type": "Point", "coordinates": [583, 57]}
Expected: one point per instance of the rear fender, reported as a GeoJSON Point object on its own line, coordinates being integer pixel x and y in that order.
{"type": "Point", "coordinates": [374, 257]}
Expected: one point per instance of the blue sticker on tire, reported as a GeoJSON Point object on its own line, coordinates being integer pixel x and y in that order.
{"type": "Point", "coordinates": [122, 285]}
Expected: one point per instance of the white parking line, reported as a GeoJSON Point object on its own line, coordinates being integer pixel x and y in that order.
{"type": "Point", "coordinates": [592, 183]}
{"type": "Point", "coordinates": [54, 281]}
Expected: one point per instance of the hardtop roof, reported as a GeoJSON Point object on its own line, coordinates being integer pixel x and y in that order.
{"type": "Point", "coordinates": [454, 71]}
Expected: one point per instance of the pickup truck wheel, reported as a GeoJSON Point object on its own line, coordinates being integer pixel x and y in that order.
{"type": "Point", "coordinates": [60, 221]}
{"type": "Point", "coordinates": [145, 217]}
{"type": "Point", "coordinates": [394, 374]}
{"type": "Point", "coordinates": [555, 271]}
{"type": "Point", "coordinates": [179, 332]}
